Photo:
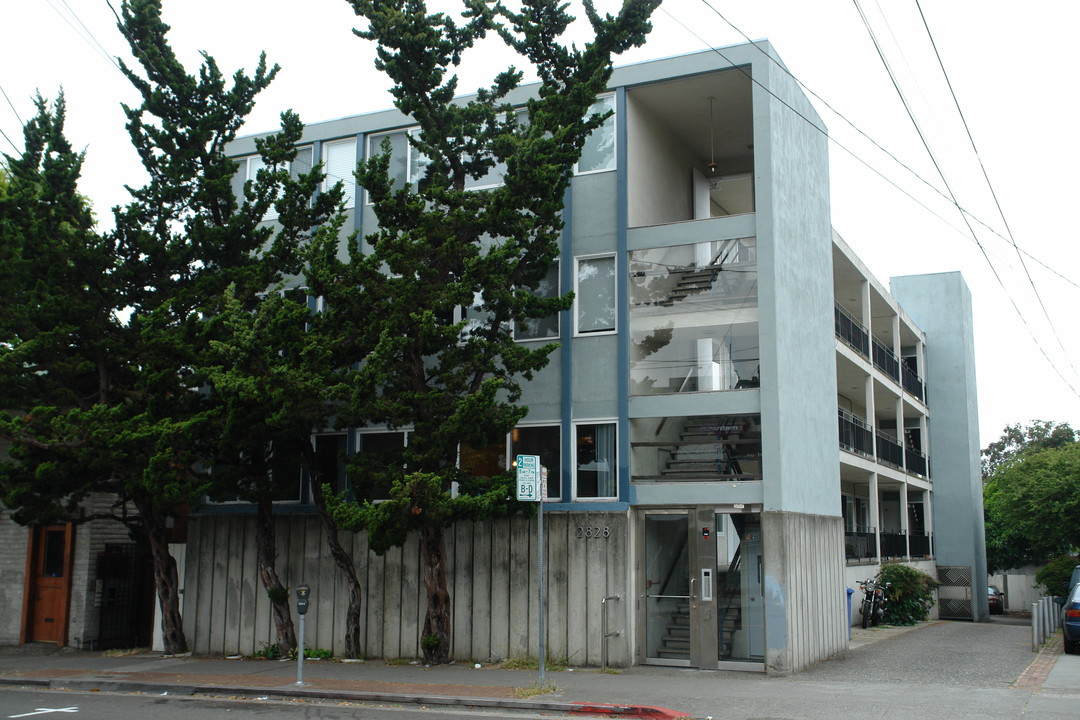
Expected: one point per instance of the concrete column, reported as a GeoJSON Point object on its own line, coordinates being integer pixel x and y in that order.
{"type": "Point", "coordinates": [875, 514]}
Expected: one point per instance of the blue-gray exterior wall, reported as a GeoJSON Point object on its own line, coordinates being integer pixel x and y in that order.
{"type": "Point", "coordinates": [941, 305]}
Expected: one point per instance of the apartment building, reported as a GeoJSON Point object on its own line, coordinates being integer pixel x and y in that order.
{"type": "Point", "coordinates": [739, 424]}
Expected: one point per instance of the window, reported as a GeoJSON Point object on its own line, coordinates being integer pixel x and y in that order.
{"type": "Point", "coordinates": [339, 163]}
{"type": "Point", "coordinates": [542, 440]}
{"type": "Point", "coordinates": [598, 154]}
{"type": "Point", "coordinates": [248, 169]}
{"type": "Point", "coordinates": [694, 318]}
{"type": "Point", "coordinates": [406, 162]}
{"type": "Point", "coordinates": [547, 327]}
{"type": "Point", "coordinates": [594, 461]}
{"type": "Point", "coordinates": [377, 461]}
{"type": "Point", "coordinates": [595, 295]}
{"type": "Point", "coordinates": [708, 448]}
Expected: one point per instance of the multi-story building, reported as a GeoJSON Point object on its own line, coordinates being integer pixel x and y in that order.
{"type": "Point", "coordinates": [701, 509]}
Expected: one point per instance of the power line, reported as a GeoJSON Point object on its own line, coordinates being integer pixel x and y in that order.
{"type": "Point", "coordinates": [952, 194]}
{"type": "Point", "coordinates": [84, 34]}
{"type": "Point", "coordinates": [965, 214]}
{"type": "Point", "coordinates": [825, 103]}
{"type": "Point", "coordinates": [990, 185]}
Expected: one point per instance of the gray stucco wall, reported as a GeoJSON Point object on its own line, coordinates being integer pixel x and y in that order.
{"type": "Point", "coordinates": [798, 359]}
{"type": "Point", "coordinates": [13, 540]}
{"type": "Point", "coordinates": [941, 305]}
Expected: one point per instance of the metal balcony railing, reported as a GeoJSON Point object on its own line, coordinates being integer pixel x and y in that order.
{"type": "Point", "coordinates": [851, 331]}
{"type": "Point", "coordinates": [889, 450]}
{"type": "Point", "coordinates": [855, 435]}
{"type": "Point", "coordinates": [912, 382]}
{"type": "Point", "coordinates": [860, 545]}
{"type": "Point", "coordinates": [893, 545]}
{"type": "Point", "coordinates": [914, 461]}
{"type": "Point", "coordinates": [885, 360]}
{"type": "Point", "coordinates": [919, 545]}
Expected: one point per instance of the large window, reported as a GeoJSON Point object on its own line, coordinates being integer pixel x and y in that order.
{"type": "Point", "coordinates": [595, 463]}
{"type": "Point", "coordinates": [406, 162]}
{"type": "Point", "coordinates": [542, 328]}
{"type": "Point", "coordinates": [339, 162]}
{"type": "Point", "coordinates": [694, 318]}
{"type": "Point", "coordinates": [598, 154]}
{"type": "Point", "coordinates": [378, 459]}
{"type": "Point", "coordinates": [707, 448]}
{"type": "Point", "coordinates": [594, 290]}
{"type": "Point", "coordinates": [542, 440]}
{"type": "Point", "coordinates": [248, 169]}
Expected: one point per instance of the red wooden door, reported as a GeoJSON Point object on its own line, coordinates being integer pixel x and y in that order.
{"type": "Point", "coordinates": [50, 584]}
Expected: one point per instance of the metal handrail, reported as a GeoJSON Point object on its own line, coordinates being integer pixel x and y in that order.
{"type": "Point", "coordinates": [604, 626]}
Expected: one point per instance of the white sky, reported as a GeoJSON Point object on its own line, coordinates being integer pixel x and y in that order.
{"type": "Point", "coordinates": [1011, 66]}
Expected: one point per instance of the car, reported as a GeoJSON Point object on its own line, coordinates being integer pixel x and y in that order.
{"type": "Point", "coordinates": [996, 598]}
{"type": "Point", "coordinates": [1070, 621]}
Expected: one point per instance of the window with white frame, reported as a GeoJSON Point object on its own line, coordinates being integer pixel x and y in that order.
{"type": "Point", "coordinates": [406, 162]}
{"type": "Point", "coordinates": [598, 153]}
{"type": "Point", "coordinates": [544, 441]}
{"type": "Point", "coordinates": [339, 164]}
{"type": "Point", "coordinates": [248, 169]}
{"type": "Point", "coordinates": [378, 454]}
{"type": "Point", "coordinates": [595, 466]}
{"type": "Point", "coordinates": [547, 327]}
{"type": "Point", "coordinates": [594, 295]}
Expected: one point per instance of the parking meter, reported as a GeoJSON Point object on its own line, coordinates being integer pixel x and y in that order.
{"type": "Point", "coordinates": [302, 594]}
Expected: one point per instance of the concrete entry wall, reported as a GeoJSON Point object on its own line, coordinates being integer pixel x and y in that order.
{"type": "Point", "coordinates": [491, 571]}
{"type": "Point", "coordinates": [805, 590]}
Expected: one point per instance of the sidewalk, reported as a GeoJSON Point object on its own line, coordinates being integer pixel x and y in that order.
{"type": "Point", "coordinates": [1046, 685]}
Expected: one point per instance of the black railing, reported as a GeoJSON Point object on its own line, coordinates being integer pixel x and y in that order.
{"type": "Point", "coordinates": [851, 331]}
{"type": "Point", "coordinates": [912, 382]}
{"type": "Point", "coordinates": [860, 545]}
{"type": "Point", "coordinates": [885, 360]}
{"type": "Point", "coordinates": [893, 545]}
{"type": "Point", "coordinates": [855, 435]}
{"type": "Point", "coordinates": [914, 461]}
{"type": "Point", "coordinates": [919, 545]}
{"type": "Point", "coordinates": [889, 450]}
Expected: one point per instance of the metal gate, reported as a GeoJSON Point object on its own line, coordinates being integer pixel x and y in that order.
{"type": "Point", "coordinates": [954, 595]}
{"type": "Point", "coordinates": [125, 597]}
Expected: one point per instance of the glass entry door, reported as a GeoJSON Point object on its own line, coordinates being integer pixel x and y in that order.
{"type": "Point", "coordinates": [702, 580]}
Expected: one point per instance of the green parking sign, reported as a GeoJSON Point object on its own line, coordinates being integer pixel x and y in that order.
{"type": "Point", "coordinates": [528, 478]}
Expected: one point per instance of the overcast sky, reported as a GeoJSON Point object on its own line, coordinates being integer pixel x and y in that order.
{"type": "Point", "coordinates": [1010, 64]}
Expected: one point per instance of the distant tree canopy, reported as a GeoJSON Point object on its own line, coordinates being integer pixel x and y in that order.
{"type": "Point", "coordinates": [1031, 497]}
{"type": "Point", "coordinates": [1039, 435]}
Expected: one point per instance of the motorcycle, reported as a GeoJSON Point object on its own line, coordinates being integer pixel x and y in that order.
{"type": "Point", "coordinates": [875, 599]}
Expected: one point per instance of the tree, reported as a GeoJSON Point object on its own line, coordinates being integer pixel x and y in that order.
{"type": "Point", "coordinates": [1039, 435]}
{"type": "Point", "coordinates": [1031, 503]}
{"type": "Point", "coordinates": [430, 300]}
{"type": "Point", "coordinates": [104, 362]}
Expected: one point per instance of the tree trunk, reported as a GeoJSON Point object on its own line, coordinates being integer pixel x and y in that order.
{"type": "Point", "coordinates": [266, 553]}
{"type": "Point", "coordinates": [437, 624]}
{"type": "Point", "coordinates": [166, 581]}
{"type": "Point", "coordinates": [344, 562]}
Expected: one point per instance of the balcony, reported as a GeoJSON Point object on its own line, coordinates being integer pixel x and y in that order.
{"type": "Point", "coordinates": [914, 461]}
{"type": "Point", "coordinates": [851, 331]}
{"type": "Point", "coordinates": [885, 360]}
{"type": "Point", "coordinates": [855, 435]}
{"type": "Point", "coordinates": [913, 384]}
{"type": "Point", "coordinates": [893, 545]}
{"type": "Point", "coordinates": [889, 450]}
{"type": "Point", "coordinates": [919, 545]}
{"type": "Point", "coordinates": [860, 544]}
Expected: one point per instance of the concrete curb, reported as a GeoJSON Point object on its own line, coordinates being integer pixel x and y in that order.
{"type": "Point", "coordinates": [644, 712]}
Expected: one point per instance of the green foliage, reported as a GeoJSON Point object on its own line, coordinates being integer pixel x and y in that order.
{"type": "Point", "coordinates": [911, 595]}
{"type": "Point", "coordinates": [268, 652]}
{"type": "Point", "coordinates": [1031, 503]}
{"type": "Point", "coordinates": [430, 643]}
{"type": "Point", "coordinates": [1053, 578]}
{"type": "Point", "coordinates": [1016, 440]}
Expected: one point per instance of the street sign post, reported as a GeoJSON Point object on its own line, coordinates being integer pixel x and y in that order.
{"type": "Point", "coordinates": [531, 487]}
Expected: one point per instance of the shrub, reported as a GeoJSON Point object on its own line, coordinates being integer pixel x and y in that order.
{"type": "Point", "coordinates": [911, 595]}
{"type": "Point", "coordinates": [1053, 579]}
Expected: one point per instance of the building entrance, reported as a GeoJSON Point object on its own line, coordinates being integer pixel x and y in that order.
{"type": "Point", "coordinates": [701, 580]}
